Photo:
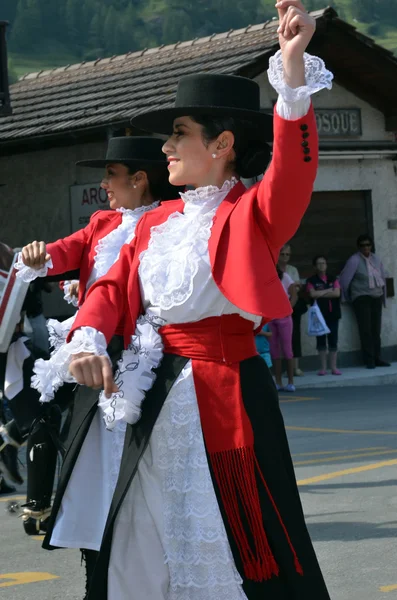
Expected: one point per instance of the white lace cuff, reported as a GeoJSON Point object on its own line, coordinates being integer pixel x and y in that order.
{"type": "Point", "coordinates": [294, 103]}
{"type": "Point", "coordinates": [135, 374]}
{"type": "Point", "coordinates": [27, 274]}
{"type": "Point", "coordinates": [66, 293]}
{"type": "Point", "coordinates": [50, 375]}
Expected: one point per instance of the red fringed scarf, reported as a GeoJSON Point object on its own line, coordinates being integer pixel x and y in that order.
{"type": "Point", "coordinates": [216, 346]}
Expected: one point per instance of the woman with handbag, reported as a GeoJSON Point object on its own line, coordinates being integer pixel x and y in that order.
{"type": "Point", "coordinates": [325, 291]}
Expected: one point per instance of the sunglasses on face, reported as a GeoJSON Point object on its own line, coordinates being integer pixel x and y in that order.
{"type": "Point", "coordinates": [285, 254]}
{"type": "Point", "coordinates": [366, 245]}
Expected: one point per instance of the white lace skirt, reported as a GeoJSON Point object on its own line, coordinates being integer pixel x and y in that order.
{"type": "Point", "coordinates": [169, 540]}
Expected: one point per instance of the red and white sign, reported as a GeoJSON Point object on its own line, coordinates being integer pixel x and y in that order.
{"type": "Point", "coordinates": [84, 201]}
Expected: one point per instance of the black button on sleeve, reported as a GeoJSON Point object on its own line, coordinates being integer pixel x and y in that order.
{"type": "Point", "coordinates": [306, 150]}
{"type": "Point", "coordinates": [305, 135]}
{"type": "Point", "coordinates": [304, 127]}
{"type": "Point", "coordinates": [304, 144]}
{"type": "Point", "coordinates": [307, 158]}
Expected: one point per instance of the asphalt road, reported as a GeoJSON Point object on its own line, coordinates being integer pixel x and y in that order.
{"type": "Point", "coordinates": [344, 446]}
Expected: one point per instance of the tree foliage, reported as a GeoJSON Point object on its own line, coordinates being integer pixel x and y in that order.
{"type": "Point", "coordinates": [86, 29]}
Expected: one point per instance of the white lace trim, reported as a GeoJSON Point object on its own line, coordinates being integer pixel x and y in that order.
{"type": "Point", "coordinates": [108, 248]}
{"type": "Point", "coordinates": [66, 292]}
{"type": "Point", "coordinates": [51, 374]}
{"type": "Point", "coordinates": [316, 74]}
{"type": "Point", "coordinates": [135, 374]}
{"type": "Point", "coordinates": [196, 547]}
{"type": "Point", "coordinates": [208, 191]}
{"type": "Point", "coordinates": [28, 274]}
{"type": "Point", "coordinates": [176, 247]}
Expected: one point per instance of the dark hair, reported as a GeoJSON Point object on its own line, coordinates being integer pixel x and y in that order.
{"type": "Point", "coordinates": [315, 259]}
{"type": "Point", "coordinates": [159, 186]}
{"type": "Point", "coordinates": [252, 154]}
{"type": "Point", "coordinates": [364, 238]}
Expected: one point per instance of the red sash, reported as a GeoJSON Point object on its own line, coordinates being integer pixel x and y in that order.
{"type": "Point", "coordinates": [216, 346]}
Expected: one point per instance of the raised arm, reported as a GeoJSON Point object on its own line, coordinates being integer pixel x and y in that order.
{"type": "Point", "coordinates": [39, 259]}
{"type": "Point", "coordinates": [285, 191]}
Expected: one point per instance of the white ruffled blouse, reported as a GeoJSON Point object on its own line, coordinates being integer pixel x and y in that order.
{"type": "Point", "coordinates": [51, 374]}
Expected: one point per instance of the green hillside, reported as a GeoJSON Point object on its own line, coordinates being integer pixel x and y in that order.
{"type": "Point", "coordinates": [45, 34]}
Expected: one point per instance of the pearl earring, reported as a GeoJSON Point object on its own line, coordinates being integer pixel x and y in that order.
{"type": "Point", "coordinates": [134, 186]}
{"type": "Point", "coordinates": [214, 155]}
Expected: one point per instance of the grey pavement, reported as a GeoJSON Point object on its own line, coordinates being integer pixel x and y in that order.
{"type": "Point", "coordinates": [344, 446]}
{"type": "Point", "coordinates": [351, 377]}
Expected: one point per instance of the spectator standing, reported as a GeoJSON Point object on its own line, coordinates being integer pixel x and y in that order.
{"type": "Point", "coordinates": [325, 290]}
{"type": "Point", "coordinates": [363, 283]}
{"type": "Point", "coordinates": [299, 309]}
{"type": "Point", "coordinates": [281, 340]}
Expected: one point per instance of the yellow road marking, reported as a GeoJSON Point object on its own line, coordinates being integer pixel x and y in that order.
{"type": "Point", "coordinates": [324, 430]}
{"type": "Point", "coordinates": [8, 498]}
{"type": "Point", "coordinates": [23, 578]}
{"type": "Point", "coordinates": [343, 457]}
{"type": "Point", "coordinates": [37, 537]}
{"type": "Point", "coordinates": [340, 451]}
{"type": "Point", "coordinates": [388, 588]}
{"type": "Point", "coordinates": [335, 474]}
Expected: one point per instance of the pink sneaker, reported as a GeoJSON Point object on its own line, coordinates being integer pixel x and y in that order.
{"type": "Point", "coordinates": [336, 372]}
{"type": "Point", "coordinates": [322, 373]}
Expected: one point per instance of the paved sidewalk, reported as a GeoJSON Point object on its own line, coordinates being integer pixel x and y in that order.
{"type": "Point", "coordinates": [351, 377]}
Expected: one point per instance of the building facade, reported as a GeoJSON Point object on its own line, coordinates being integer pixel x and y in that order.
{"type": "Point", "coordinates": [47, 197]}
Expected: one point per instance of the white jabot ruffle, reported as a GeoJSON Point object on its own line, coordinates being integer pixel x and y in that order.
{"type": "Point", "coordinates": [48, 374]}
{"type": "Point", "coordinates": [135, 374]}
{"type": "Point", "coordinates": [28, 274]}
{"type": "Point", "coordinates": [66, 292]}
{"type": "Point", "coordinates": [108, 248]}
{"type": "Point", "coordinates": [294, 103]}
{"type": "Point", "coordinates": [170, 263]}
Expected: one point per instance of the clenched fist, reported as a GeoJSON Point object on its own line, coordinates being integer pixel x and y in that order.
{"type": "Point", "coordinates": [93, 371]}
{"type": "Point", "coordinates": [34, 255]}
{"type": "Point", "coordinates": [296, 29]}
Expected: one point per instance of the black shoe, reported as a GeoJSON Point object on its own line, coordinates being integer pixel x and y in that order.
{"type": "Point", "coordinates": [9, 458]}
{"type": "Point", "coordinates": [370, 365]}
{"type": "Point", "coordinates": [5, 488]}
{"type": "Point", "coordinates": [382, 363]}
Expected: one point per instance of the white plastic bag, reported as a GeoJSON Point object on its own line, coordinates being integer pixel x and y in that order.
{"type": "Point", "coordinates": [316, 324]}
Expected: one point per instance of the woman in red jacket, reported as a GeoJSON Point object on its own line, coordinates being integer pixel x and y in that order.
{"type": "Point", "coordinates": [136, 180]}
{"type": "Point", "coordinates": [206, 505]}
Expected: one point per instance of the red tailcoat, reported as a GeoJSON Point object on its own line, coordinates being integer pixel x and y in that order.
{"type": "Point", "coordinates": [249, 229]}
{"type": "Point", "coordinates": [77, 251]}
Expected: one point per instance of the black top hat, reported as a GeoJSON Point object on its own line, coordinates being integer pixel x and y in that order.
{"type": "Point", "coordinates": [135, 152]}
{"type": "Point", "coordinates": [210, 94]}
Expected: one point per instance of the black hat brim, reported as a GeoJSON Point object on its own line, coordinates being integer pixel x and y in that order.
{"type": "Point", "coordinates": [162, 121]}
{"type": "Point", "coordinates": [134, 163]}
